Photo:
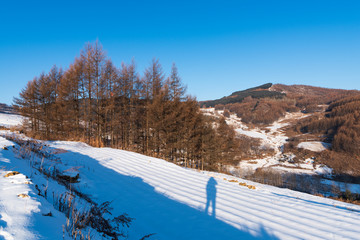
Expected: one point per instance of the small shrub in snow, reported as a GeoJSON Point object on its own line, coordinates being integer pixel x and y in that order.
{"type": "Point", "coordinates": [95, 217]}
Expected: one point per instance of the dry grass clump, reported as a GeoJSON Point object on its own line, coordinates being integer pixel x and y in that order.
{"type": "Point", "coordinates": [252, 162]}
{"type": "Point", "coordinates": [246, 185]}
{"type": "Point", "coordinates": [23, 195]}
{"type": "Point", "coordinates": [241, 183]}
{"type": "Point", "coordinates": [13, 173]}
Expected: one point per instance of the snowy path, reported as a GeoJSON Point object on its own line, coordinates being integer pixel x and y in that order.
{"type": "Point", "coordinates": [169, 200]}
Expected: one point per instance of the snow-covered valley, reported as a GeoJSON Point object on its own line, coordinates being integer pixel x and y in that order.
{"type": "Point", "coordinates": [274, 137]}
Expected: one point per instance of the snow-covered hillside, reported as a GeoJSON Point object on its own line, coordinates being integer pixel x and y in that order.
{"type": "Point", "coordinates": [273, 136]}
{"type": "Point", "coordinates": [171, 202]}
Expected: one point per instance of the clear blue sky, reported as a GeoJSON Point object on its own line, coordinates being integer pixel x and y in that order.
{"type": "Point", "coordinates": [219, 46]}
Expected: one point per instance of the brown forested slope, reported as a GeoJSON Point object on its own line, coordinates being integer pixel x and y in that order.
{"type": "Point", "coordinates": [340, 126]}
{"type": "Point", "coordinates": [309, 97]}
{"type": "Point", "coordinates": [267, 103]}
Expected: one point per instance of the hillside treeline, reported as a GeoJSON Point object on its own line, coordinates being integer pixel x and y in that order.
{"type": "Point", "coordinates": [239, 96]}
{"type": "Point", "coordinates": [96, 102]}
{"type": "Point", "coordinates": [341, 126]}
{"type": "Point", "coordinates": [260, 111]}
{"type": "Point", "coordinates": [311, 99]}
{"type": "Point", "coordinates": [267, 103]}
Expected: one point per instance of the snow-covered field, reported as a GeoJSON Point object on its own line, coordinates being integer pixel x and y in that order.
{"type": "Point", "coordinates": [170, 201]}
{"type": "Point", "coordinates": [9, 120]}
{"type": "Point", "coordinates": [164, 199]}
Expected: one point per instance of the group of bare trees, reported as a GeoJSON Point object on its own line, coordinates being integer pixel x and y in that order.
{"type": "Point", "coordinates": [96, 102]}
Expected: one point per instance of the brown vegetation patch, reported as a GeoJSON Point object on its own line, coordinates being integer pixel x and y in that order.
{"type": "Point", "coordinates": [290, 167]}
{"type": "Point", "coordinates": [13, 173]}
{"type": "Point", "coordinates": [252, 162]}
{"type": "Point", "coordinates": [68, 179]}
{"type": "Point", "coordinates": [233, 180]}
{"type": "Point", "coordinates": [23, 195]}
{"type": "Point", "coordinates": [246, 185]}
{"type": "Point", "coordinates": [261, 111]}
{"type": "Point", "coordinates": [59, 151]}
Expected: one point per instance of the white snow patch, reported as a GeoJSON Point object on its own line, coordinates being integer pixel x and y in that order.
{"type": "Point", "coordinates": [314, 146]}
{"type": "Point", "coordinates": [9, 120]}
{"type": "Point", "coordinates": [323, 170]}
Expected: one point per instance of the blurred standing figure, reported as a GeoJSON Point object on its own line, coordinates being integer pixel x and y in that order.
{"type": "Point", "coordinates": [211, 196]}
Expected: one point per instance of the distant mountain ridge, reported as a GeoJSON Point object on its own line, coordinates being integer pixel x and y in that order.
{"type": "Point", "coordinates": [4, 108]}
{"type": "Point", "coordinates": [278, 91]}
{"type": "Point", "coordinates": [258, 92]}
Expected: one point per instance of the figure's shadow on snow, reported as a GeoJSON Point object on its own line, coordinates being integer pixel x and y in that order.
{"type": "Point", "coordinates": [154, 212]}
{"type": "Point", "coordinates": [211, 196]}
